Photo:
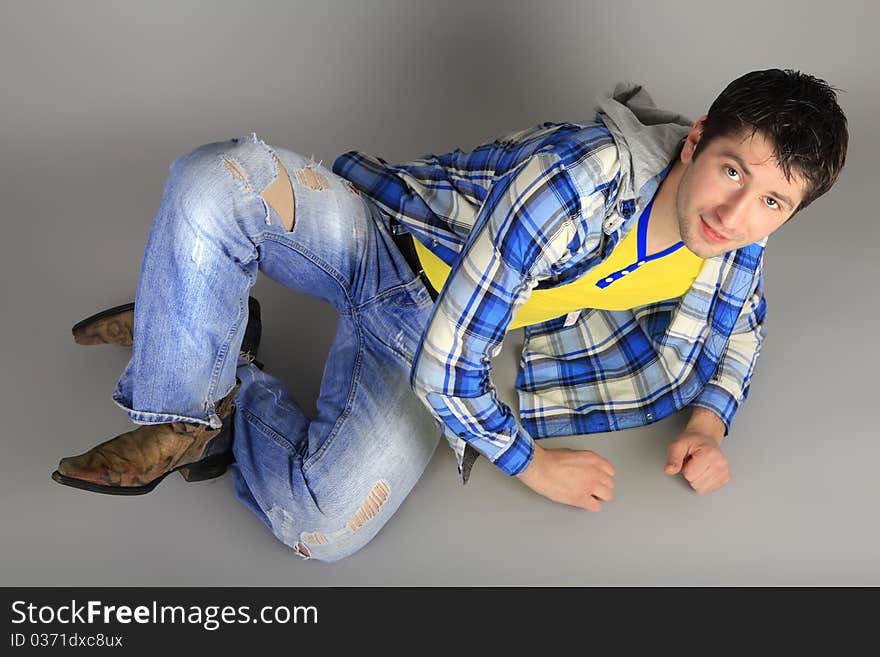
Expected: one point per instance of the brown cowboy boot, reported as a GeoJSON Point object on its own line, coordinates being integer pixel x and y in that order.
{"type": "Point", "coordinates": [133, 463]}
{"type": "Point", "coordinates": [116, 326]}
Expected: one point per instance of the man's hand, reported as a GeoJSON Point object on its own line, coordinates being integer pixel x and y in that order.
{"type": "Point", "coordinates": [579, 478]}
{"type": "Point", "coordinates": [697, 455]}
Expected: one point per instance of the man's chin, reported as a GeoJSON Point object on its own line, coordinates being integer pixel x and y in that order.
{"type": "Point", "coordinates": [703, 251]}
{"type": "Point", "coordinates": [701, 247]}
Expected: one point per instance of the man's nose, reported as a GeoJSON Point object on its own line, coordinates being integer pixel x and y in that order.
{"type": "Point", "coordinates": [732, 213]}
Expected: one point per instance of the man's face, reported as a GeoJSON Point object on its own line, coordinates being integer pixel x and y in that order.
{"type": "Point", "coordinates": [733, 194]}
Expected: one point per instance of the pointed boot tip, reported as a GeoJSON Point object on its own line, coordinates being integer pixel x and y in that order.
{"type": "Point", "coordinates": [77, 335]}
{"type": "Point", "coordinates": [61, 468]}
{"type": "Point", "coordinates": [60, 478]}
{"type": "Point", "coordinates": [78, 340]}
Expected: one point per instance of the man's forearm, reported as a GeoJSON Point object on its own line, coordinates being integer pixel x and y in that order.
{"type": "Point", "coordinates": [708, 423]}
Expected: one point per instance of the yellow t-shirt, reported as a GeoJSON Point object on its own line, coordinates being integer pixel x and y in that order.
{"type": "Point", "coordinates": [619, 283]}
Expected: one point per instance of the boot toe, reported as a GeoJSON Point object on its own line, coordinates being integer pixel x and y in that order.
{"type": "Point", "coordinates": [73, 467]}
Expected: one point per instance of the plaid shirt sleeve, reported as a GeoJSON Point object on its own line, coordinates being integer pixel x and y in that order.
{"type": "Point", "coordinates": [522, 229]}
{"type": "Point", "coordinates": [729, 387]}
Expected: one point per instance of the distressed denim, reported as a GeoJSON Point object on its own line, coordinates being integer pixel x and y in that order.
{"type": "Point", "coordinates": [324, 486]}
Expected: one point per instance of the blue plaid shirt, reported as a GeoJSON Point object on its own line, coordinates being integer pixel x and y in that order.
{"type": "Point", "coordinates": [538, 209]}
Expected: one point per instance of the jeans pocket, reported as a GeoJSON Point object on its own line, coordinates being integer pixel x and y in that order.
{"type": "Point", "coordinates": [398, 320]}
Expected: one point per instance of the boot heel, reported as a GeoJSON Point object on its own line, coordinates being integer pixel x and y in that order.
{"type": "Point", "coordinates": [207, 469]}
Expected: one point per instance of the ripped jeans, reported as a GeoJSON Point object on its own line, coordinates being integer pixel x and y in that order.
{"type": "Point", "coordinates": [323, 486]}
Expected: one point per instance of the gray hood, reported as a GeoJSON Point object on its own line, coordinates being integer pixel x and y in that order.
{"type": "Point", "coordinates": [647, 138]}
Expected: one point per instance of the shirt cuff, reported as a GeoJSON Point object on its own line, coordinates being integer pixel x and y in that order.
{"type": "Point", "coordinates": [517, 457]}
{"type": "Point", "coordinates": [719, 401]}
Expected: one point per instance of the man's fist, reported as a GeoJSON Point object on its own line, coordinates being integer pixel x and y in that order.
{"type": "Point", "coordinates": [699, 458]}
{"type": "Point", "coordinates": [577, 477]}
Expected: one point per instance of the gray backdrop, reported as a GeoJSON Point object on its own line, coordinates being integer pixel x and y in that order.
{"type": "Point", "coordinates": [100, 97]}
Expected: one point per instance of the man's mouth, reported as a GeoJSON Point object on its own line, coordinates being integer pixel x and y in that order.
{"type": "Point", "coordinates": [712, 235]}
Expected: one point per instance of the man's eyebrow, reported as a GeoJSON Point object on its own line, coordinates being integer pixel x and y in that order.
{"type": "Point", "coordinates": [742, 165]}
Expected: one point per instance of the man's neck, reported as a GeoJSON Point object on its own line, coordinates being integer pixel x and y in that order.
{"type": "Point", "coordinates": [663, 223]}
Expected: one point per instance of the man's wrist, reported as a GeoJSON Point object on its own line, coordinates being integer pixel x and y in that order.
{"type": "Point", "coordinates": [708, 423]}
{"type": "Point", "coordinates": [531, 470]}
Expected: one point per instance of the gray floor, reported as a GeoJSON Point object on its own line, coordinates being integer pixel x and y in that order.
{"type": "Point", "coordinates": [99, 98]}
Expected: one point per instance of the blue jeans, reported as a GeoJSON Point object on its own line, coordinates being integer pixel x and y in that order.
{"type": "Point", "coordinates": [323, 486]}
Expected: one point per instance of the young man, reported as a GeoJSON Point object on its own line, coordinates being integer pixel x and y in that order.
{"type": "Point", "coordinates": [630, 248]}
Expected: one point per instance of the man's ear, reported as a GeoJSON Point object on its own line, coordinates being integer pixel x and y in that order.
{"type": "Point", "coordinates": [692, 139]}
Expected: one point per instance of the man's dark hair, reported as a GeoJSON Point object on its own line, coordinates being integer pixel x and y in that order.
{"type": "Point", "coordinates": [799, 115]}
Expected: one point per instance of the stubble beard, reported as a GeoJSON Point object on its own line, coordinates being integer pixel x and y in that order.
{"type": "Point", "coordinates": [690, 230]}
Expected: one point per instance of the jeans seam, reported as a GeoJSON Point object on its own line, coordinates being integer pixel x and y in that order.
{"type": "Point", "coordinates": [349, 402]}
{"type": "Point", "coordinates": [271, 433]}
{"type": "Point", "coordinates": [245, 188]}
{"type": "Point", "coordinates": [220, 361]}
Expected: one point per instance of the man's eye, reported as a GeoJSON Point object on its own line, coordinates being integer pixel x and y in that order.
{"type": "Point", "coordinates": [735, 172]}
{"type": "Point", "coordinates": [773, 201]}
